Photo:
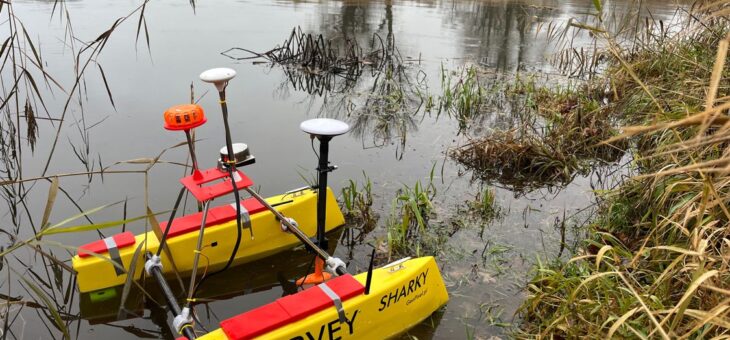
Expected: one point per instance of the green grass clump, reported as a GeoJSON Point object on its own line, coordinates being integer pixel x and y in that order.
{"type": "Point", "coordinates": [656, 263]}
{"type": "Point", "coordinates": [357, 201]}
{"type": "Point", "coordinates": [408, 224]}
{"type": "Point", "coordinates": [463, 95]}
{"type": "Point", "coordinates": [485, 204]}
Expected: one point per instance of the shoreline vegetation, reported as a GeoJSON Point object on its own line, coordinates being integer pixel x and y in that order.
{"type": "Point", "coordinates": [655, 264]}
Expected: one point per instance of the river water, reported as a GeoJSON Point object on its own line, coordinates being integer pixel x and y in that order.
{"type": "Point", "coordinates": [485, 263]}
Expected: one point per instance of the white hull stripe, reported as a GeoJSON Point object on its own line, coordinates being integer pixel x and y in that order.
{"type": "Point", "coordinates": [111, 247]}
{"type": "Point", "coordinates": [336, 299]}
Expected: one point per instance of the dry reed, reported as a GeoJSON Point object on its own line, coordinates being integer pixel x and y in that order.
{"type": "Point", "coordinates": [657, 263]}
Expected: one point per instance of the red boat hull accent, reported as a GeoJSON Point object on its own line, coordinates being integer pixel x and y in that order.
{"type": "Point", "coordinates": [289, 309]}
{"type": "Point", "coordinates": [221, 214]}
{"type": "Point", "coordinates": [122, 240]}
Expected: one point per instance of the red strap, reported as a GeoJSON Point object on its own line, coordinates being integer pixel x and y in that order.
{"type": "Point", "coordinates": [99, 247]}
{"type": "Point", "coordinates": [289, 309]}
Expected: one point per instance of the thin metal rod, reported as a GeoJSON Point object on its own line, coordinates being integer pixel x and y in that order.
{"type": "Point", "coordinates": [196, 257]}
{"type": "Point", "coordinates": [191, 146]}
{"type": "Point", "coordinates": [169, 297]}
{"type": "Point", "coordinates": [294, 230]}
{"type": "Point", "coordinates": [163, 239]}
{"type": "Point", "coordinates": [231, 169]}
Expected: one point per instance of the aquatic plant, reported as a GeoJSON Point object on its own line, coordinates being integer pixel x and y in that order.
{"type": "Point", "coordinates": [485, 204]}
{"type": "Point", "coordinates": [387, 108]}
{"type": "Point", "coordinates": [357, 200]}
{"type": "Point", "coordinates": [655, 264]}
{"type": "Point", "coordinates": [360, 218]}
{"type": "Point", "coordinates": [313, 53]}
{"type": "Point", "coordinates": [320, 65]}
{"type": "Point", "coordinates": [463, 99]}
{"type": "Point", "coordinates": [556, 133]}
{"type": "Point", "coordinates": [409, 219]}
{"type": "Point", "coordinates": [375, 90]}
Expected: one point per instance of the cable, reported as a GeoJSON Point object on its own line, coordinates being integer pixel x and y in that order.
{"type": "Point", "coordinates": [238, 236]}
{"type": "Point", "coordinates": [314, 150]}
{"type": "Point", "coordinates": [205, 272]}
{"type": "Point", "coordinates": [236, 195]}
{"type": "Point", "coordinates": [309, 271]}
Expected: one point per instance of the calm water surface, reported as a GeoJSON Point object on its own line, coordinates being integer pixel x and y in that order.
{"type": "Point", "coordinates": [485, 271]}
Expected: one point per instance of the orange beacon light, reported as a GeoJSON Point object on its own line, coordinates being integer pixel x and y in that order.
{"type": "Point", "coordinates": [184, 117]}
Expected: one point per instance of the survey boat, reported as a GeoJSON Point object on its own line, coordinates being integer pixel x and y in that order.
{"type": "Point", "coordinates": [388, 300]}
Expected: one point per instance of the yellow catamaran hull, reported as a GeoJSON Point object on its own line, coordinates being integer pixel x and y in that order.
{"type": "Point", "coordinates": [401, 295]}
{"type": "Point", "coordinates": [99, 271]}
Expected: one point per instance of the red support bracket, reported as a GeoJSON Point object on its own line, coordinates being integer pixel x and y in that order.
{"type": "Point", "coordinates": [199, 183]}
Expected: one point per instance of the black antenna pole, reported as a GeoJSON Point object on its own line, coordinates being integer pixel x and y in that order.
{"type": "Point", "coordinates": [323, 168]}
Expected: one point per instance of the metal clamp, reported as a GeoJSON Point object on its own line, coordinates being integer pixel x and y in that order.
{"type": "Point", "coordinates": [183, 319]}
{"type": "Point", "coordinates": [333, 263]}
{"type": "Point", "coordinates": [335, 300]}
{"type": "Point", "coordinates": [113, 250]}
{"type": "Point", "coordinates": [291, 221]}
{"type": "Point", "coordinates": [328, 169]}
{"type": "Point", "coordinates": [245, 215]}
{"type": "Point", "coordinates": [152, 262]}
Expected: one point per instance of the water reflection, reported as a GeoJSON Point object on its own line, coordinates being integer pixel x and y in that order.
{"type": "Point", "coordinates": [375, 102]}
{"type": "Point", "coordinates": [497, 34]}
{"type": "Point", "coordinates": [356, 19]}
{"type": "Point", "coordinates": [382, 103]}
{"type": "Point", "coordinates": [519, 35]}
{"type": "Point", "coordinates": [506, 37]}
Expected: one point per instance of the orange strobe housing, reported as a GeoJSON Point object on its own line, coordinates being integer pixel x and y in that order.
{"type": "Point", "coordinates": [184, 117]}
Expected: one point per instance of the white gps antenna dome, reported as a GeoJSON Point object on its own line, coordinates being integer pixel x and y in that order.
{"type": "Point", "coordinates": [218, 76]}
{"type": "Point", "coordinates": [324, 127]}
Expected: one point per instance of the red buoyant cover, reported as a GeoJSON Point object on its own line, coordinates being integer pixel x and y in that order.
{"type": "Point", "coordinates": [217, 215]}
{"type": "Point", "coordinates": [99, 247]}
{"type": "Point", "coordinates": [289, 309]}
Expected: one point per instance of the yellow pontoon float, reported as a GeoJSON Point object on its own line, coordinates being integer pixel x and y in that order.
{"type": "Point", "coordinates": [110, 268]}
{"type": "Point", "coordinates": [277, 271]}
{"type": "Point", "coordinates": [396, 298]}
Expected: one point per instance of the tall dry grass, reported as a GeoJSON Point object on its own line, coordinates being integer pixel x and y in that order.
{"type": "Point", "coordinates": [658, 262]}
{"type": "Point", "coordinates": [35, 103]}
